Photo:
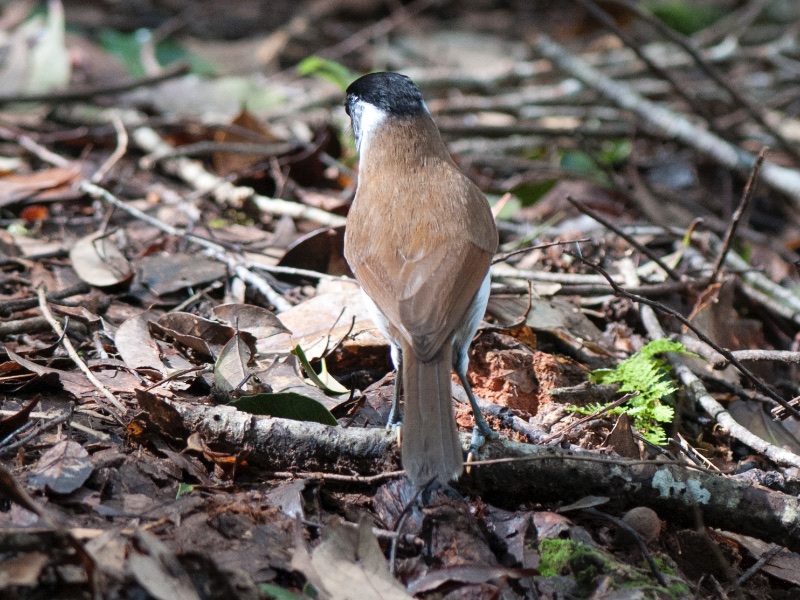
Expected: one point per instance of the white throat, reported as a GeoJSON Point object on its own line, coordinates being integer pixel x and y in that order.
{"type": "Point", "coordinates": [366, 123]}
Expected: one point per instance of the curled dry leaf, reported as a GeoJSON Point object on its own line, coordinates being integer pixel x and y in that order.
{"type": "Point", "coordinates": [98, 261]}
{"type": "Point", "coordinates": [201, 335]}
{"type": "Point", "coordinates": [10, 424]}
{"type": "Point", "coordinates": [136, 346]}
{"type": "Point", "coordinates": [255, 320]}
{"type": "Point", "coordinates": [230, 369]}
{"type": "Point", "coordinates": [73, 382]}
{"type": "Point", "coordinates": [15, 188]}
{"type": "Point", "coordinates": [62, 469]}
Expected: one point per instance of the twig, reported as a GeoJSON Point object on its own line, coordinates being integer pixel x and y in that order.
{"type": "Point", "coordinates": [608, 22]}
{"type": "Point", "coordinates": [195, 174]}
{"type": "Point", "coordinates": [77, 359]}
{"type": "Point", "coordinates": [6, 449]}
{"type": "Point", "coordinates": [747, 195]}
{"type": "Point", "coordinates": [87, 93]}
{"type": "Point", "coordinates": [119, 151]}
{"type": "Point", "coordinates": [717, 412]}
{"type": "Point", "coordinates": [210, 147]}
{"type": "Point", "coordinates": [673, 124]}
{"type": "Point", "coordinates": [630, 239]}
{"type": "Point", "coordinates": [9, 307]}
{"type": "Point", "coordinates": [216, 250]}
{"type": "Point", "coordinates": [698, 392]}
{"type": "Point", "coordinates": [738, 98]}
{"type": "Point", "coordinates": [762, 560]}
{"type": "Point", "coordinates": [44, 154]}
{"type": "Point", "coordinates": [586, 418]}
{"type": "Point", "coordinates": [506, 255]}
{"type": "Point", "coordinates": [760, 355]}
{"type": "Point", "coordinates": [377, 29]}
{"type": "Point", "coordinates": [699, 333]}
{"type": "Point", "coordinates": [732, 23]}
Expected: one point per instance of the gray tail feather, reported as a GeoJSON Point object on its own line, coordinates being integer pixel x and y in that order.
{"type": "Point", "coordinates": [431, 445]}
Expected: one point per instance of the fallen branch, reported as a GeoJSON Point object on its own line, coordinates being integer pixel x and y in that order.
{"type": "Point", "coordinates": [518, 472]}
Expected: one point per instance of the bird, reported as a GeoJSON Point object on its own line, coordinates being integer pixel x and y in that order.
{"type": "Point", "coordinates": [420, 238]}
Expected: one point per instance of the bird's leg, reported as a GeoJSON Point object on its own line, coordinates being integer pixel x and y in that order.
{"type": "Point", "coordinates": [480, 423]}
{"type": "Point", "coordinates": [394, 414]}
{"type": "Point", "coordinates": [481, 431]}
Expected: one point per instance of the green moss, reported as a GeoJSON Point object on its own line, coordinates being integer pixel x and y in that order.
{"type": "Point", "coordinates": [587, 564]}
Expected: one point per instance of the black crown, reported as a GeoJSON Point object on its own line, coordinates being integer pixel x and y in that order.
{"type": "Point", "coordinates": [392, 93]}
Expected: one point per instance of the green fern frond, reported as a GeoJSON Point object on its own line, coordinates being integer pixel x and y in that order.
{"type": "Point", "coordinates": [647, 376]}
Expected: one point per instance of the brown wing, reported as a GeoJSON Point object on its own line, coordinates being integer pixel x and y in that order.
{"type": "Point", "coordinates": [421, 256]}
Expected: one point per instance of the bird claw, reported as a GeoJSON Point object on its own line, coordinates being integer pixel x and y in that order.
{"type": "Point", "coordinates": [484, 429]}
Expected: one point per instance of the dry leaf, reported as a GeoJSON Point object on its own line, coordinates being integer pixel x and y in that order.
{"type": "Point", "coordinates": [62, 469]}
{"type": "Point", "coordinates": [98, 261]}
{"type": "Point", "coordinates": [348, 565]}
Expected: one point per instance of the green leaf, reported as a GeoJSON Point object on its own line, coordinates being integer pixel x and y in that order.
{"type": "Point", "coordinates": [615, 152]}
{"type": "Point", "coordinates": [530, 193]}
{"type": "Point", "coordinates": [323, 380]}
{"type": "Point", "coordinates": [685, 16]}
{"type": "Point", "coordinates": [128, 46]}
{"type": "Point", "coordinates": [183, 489]}
{"type": "Point", "coordinates": [278, 593]}
{"type": "Point", "coordinates": [327, 69]}
{"type": "Point", "coordinates": [285, 405]}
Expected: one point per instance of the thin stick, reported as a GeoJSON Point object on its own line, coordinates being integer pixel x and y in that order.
{"type": "Point", "coordinates": [77, 359]}
{"type": "Point", "coordinates": [747, 195]}
{"type": "Point", "coordinates": [618, 402]}
{"type": "Point", "coordinates": [762, 560]}
{"type": "Point", "coordinates": [216, 250]}
{"type": "Point", "coordinates": [505, 255]}
{"type": "Point", "coordinates": [631, 240]}
{"type": "Point", "coordinates": [608, 22]}
{"type": "Point", "coordinates": [593, 512]}
{"type": "Point", "coordinates": [739, 99]}
{"type": "Point", "coordinates": [44, 154]}
{"type": "Point", "coordinates": [119, 151]}
{"type": "Point", "coordinates": [672, 312]}
{"type": "Point", "coordinates": [674, 124]}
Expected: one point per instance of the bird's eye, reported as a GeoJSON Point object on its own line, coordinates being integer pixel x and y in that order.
{"type": "Point", "coordinates": [347, 108]}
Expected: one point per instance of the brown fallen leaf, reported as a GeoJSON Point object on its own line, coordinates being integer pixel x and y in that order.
{"type": "Point", "coordinates": [226, 163]}
{"type": "Point", "coordinates": [136, 346]}
{"type": "Point", "coordinates": [255, 320]}
{"type": "Point", "coordinates": [166, 274]}
{"type": "Point", "coordinates": [348, 565]}
{"type": "Point", "coordinates": [62, 469]}
{"type": "Point", "coordinates": [14, 188]}
{"type": "Point", "coordinates": [10, 424]}
{"type": "Point", "coordinates": [465, 574]}
{"type": "Point", "coordinates": [98, 261]}
{"type": "Point", "coordinates": [785, 565]}
{"type": "Point", "coordinates": [74, 382]}
{"type": "Point", "coordinates": [157, 569]}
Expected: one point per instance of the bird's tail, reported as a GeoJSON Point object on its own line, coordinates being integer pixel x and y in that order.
{"type": "Point", "coordinates": [431, 446]}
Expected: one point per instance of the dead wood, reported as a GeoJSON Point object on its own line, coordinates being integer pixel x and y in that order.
{"type": "Point", "coordinates": [540, 474]}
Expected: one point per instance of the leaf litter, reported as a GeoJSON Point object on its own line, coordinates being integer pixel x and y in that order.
{"type": "Point", "coordinates": [203, 284]}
